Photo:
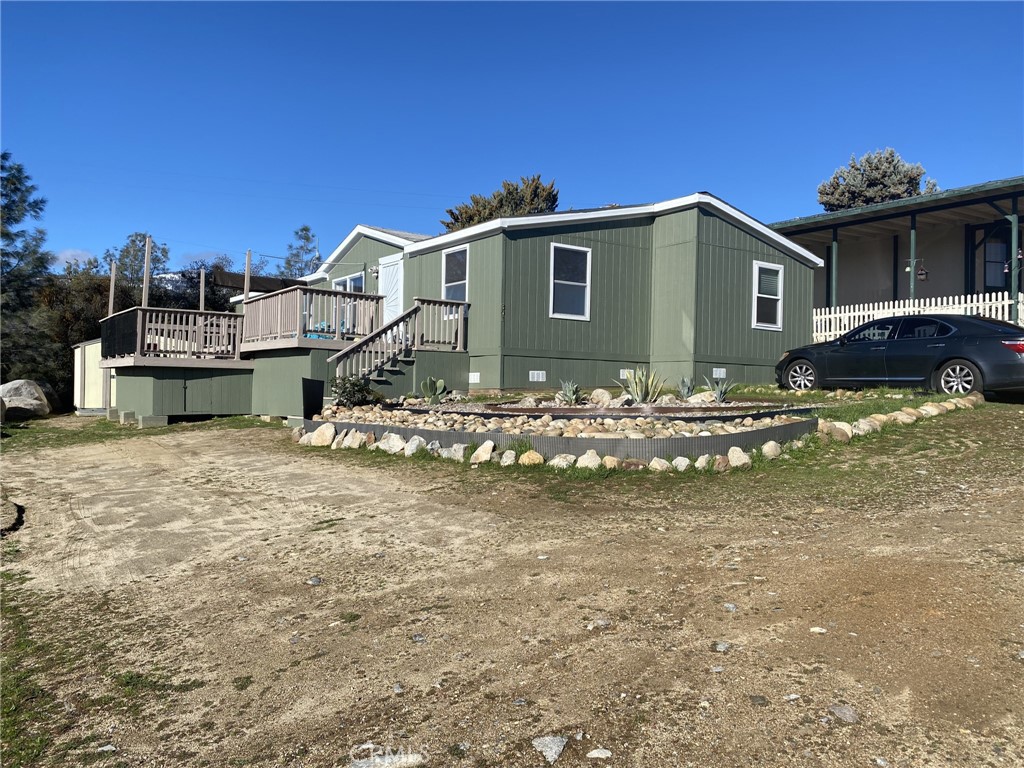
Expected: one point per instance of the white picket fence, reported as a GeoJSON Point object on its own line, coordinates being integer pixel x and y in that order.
{"type": "Point", "coordinates": [830, 322]}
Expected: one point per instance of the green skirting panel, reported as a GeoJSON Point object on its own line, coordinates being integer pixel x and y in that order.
{"type": "Point", "coordinates": [184, 391]}
{"type": "Point", "coordinates": [453, 367]}
{"type": "Point", "coordinates": [290, 382]}
{"type": "Point", "coordinates": [586, 373]}
{"type": "Point", "coordinates": [735, 372]}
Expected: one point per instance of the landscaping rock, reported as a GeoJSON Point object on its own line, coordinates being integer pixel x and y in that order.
{"type": "Point", "coordinates": [589, 460]}
{"type": "Point", "coordinates": [599, 754]}
{"type": "Point", "coordinates": [354, 439]}
{"type": "Point", "coordinates": [659, 464]}
{"type": "Point", "coordinates": [390, 443]}
{"type": "Point", "coordinates": [681, 463]}
{"type": "Point", "coordinates": [508, 458]}
{"type": "Point", "coordinates": [843, 427]}
{"type": "Point", "coordinates": [562, 461]}
{"type": "Point", "coordinates": [771, 450]}
{"type": "Point", "coordinates": [304, 440]}
{"type": "Point", "coordinates": [483, 453]}
{"type": "Point", "coordinates": [456, 453]}
{"type": "Point", "coordinates": [434, 447]}
{"type": "Point", "coordinates": [297, 434]}
{"type": "Point", "coordinates": [611, 462]}
{"type": "Point", "coordinates": [837, 433]}
{"type": "Point", "coordinates": [634, 465]}
{"type": "Point", "coordinates": [622, 401]}
{"type": "Point", "coordinates": [24, 399]}
{"type": "Point", "coordinates": [601, 397]}
{"type": "Point", "coordinates": [323, 435]}
{"type": "Point", "coordinates": [415, 444]}
{"type": "Point", "coordinates": [702, 462]}
{"type": "Point", "coordinates": [844, 713]}
{"type": "Point", "coordinates": [722, 464]}
{"type": "Point", "coordinates": [339, 440]}
{"type": "Point", "coordinates": [738, 458]}
{"type": "Point", "coordinates": [530, 459]}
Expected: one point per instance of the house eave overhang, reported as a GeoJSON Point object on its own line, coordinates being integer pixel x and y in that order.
{"type": "Point", "coordinates": [346, 245]}
{"type": "Point", "coordinates": [992, 191]}
{"type": "Point", "coordinates": [611, 214]}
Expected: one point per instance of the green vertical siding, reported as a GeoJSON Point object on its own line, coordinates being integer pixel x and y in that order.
{"type": "Point", "coordinates": [674, 295]}
{"type": "Point", "coordinates": [724, 279]}
{"type": "Point", "coordinates": [619, 327]}
{"type": "Point", "coordinates": [484, 283]}
{"type": "Point", "coordinates": [290, 382]}
{"type": "Point", "coordinates": [366, 253]}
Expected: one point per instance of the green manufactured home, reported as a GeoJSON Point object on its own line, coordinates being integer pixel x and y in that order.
{"type": "Point", "coordinates": [691, 286]}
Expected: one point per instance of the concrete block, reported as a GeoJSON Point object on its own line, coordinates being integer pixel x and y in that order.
{"type": "Point", "coordinates": [127, 417]}
{"type": "Point", "coordinates": [152, 421]}
{"type": "Point", "coordinates": [112, 414]}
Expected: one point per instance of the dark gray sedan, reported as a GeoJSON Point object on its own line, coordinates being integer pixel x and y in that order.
{"type": "Point", "coordinates": [951, 354]}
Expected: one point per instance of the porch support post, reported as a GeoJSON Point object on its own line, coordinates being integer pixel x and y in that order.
{"type": "Point", "coordinates": [895, 267]}
{"type": "Point", "coordinates": [1015, 264]}
{"type": "Point", "coordinates": [834, 269]}
{"type": "Point", "coordinates": [202, 289]}
{"type": "Point", "coordinates": [145, 275]}
{"type": "Point", "coordinates": [248, 270]}
{"type": "Point", "coordinates": [113, 279]}
{"type": "Point", "coordinates": [913, 256]}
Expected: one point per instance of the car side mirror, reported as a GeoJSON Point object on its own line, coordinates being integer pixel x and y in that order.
{"type": "Point", "coordinates": [842, 341]}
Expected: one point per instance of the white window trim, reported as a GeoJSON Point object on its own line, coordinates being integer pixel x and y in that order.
{"type": "Point", "coordinates": [551, 284]}
{"type": "Point", "coordinates": [757, 265]}
{"type": "Point", "coordinates": [337, 280]}
{"type": "Point", "coordinates": [444, 270]}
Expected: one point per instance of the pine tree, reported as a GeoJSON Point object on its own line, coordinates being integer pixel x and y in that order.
{"type": "Point", "coordinates": [878, 177]}
{"type": "Point", "coordinates": [303, 255]}
{"type": "Point", "coordinates": [529, 195]}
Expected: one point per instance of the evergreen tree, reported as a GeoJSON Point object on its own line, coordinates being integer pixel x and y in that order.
{"type": "Point", "coordinates": [878, 177]}
{"type": "Point", "coordinates": [131, 261]}
{"type": "Point", "coordinates": [25, 263]}
{"type": "Point", "coordinates": [303, 255]}
{"type": "Point", "coordinates": [528, 195]}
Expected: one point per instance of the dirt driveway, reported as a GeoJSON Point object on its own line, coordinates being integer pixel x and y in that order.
{"type": "Point", "coordinates": [859, 607]}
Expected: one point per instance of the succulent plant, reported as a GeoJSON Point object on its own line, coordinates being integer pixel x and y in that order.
{"type": "Point", "coordinates": [686, 387]}
{"type": "Point", "coordinates": [642, 386]}
{"type": "Point", "coordinates": [433, 390]}
{"type": "Point", "coordinates": [720, 389]}
{"type": "Point", "coordinates": [570, 394]}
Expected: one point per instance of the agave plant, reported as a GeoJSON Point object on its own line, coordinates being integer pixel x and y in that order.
{"type": "Point", "coordinates": [686, 387]}
{"type": "Point", "coordinates": [570, 394]}
{"type": "Point", "coordinates": [720, 389]}
{"type": "Point", "coordinates": [433, 390]}
{"type": "Point", "coordinates": [642, 386]}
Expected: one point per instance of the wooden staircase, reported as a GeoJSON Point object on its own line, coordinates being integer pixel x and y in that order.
{"type": "Point", "coordinates": [429, 324]}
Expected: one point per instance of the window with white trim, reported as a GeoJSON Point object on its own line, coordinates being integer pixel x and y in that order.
{"type": "Point", "coordinates": [570, 282]}
{"type": "Point", "coordinates": [455, 274]}
{"type": "Point", "coordinates": [350, 283]}
{"type": "Point", "coordinates": [767, 300]}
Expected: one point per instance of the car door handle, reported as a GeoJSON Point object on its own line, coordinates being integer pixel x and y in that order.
{"type": "Point", "coordinates": [881, 347]}
{"type": "Point", "coordinates": [935, 345]}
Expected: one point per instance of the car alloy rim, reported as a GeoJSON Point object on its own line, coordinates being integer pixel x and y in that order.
{"type": "Point", "coordinates": [957, 380]}
{"type": "Point", "coordinates": [801, 377]}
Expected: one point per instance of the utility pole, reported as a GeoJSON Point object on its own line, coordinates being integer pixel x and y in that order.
{"type": "Point", "coordinates": [145, 276]}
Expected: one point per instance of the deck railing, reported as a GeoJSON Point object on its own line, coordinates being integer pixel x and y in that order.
{"type": "Point", "coordinates": [831, 322]}
{"type": "Point", "coordinates": [170, 333]}
{"type": "Point", "coordinates": [429, 324]}
{"type": "Point", "coordinates": [316, 313]}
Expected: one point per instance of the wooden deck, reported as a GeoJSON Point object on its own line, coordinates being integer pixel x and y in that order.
{"type": "Point", "coordinates": [151, 336]}
{"type": "Point", "coordinates": [312, 318]}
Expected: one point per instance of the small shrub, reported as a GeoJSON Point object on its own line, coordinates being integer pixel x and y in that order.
{"type": "Point", "coordinates": [642, 386]}
{"type": "Point", "coordinates": [351, 391]}
{"type": "Point", "coordinates": [686, 387]}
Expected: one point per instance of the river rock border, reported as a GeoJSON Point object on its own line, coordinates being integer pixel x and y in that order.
{"type": "Point", "coordinates": [718, 452]}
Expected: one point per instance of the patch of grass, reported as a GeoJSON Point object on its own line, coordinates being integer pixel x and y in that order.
{"type": "Point", "coordinates": [243, 682]}
{"type": "Point", "coordinates": [350, 616]}
{"type": "Point", "coordinates": [70, 431]}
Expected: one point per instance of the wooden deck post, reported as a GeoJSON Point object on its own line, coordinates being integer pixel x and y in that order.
{"type": "Point", "coordinates": [145, 275]}
{"type": "Point", "coordinates": [113, 279]}
{"type": "Point", "coordinates": [248, 271]}
{"type": "Point", "coordinates": [202, 289]}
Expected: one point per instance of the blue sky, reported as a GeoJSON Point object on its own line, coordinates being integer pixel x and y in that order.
{"type": "Point", "coordinates": [224, 126]}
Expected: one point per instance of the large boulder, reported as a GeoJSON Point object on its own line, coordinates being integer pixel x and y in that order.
{"type": "Point", "coordinates": [25, 400]}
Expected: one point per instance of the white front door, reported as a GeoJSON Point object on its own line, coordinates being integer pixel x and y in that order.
{"type": "Point", "coordinates": [389, 285]}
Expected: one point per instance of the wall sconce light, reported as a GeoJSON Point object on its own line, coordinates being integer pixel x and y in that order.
{"type": "Point", "coordinates": [922, 274]}
{"type": "Point", "coordinates": [374, 271]}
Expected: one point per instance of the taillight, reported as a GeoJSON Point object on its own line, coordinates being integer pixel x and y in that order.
{"type": "Point", "coordinates": [1015, 346]}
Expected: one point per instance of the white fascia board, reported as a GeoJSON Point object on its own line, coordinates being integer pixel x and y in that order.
{"type": "Point", "coordinates": [607, 214]}
{"type": "Point", "coordinates": [346, 245]}
{"type": "Point", "coordinates": [241, 297]}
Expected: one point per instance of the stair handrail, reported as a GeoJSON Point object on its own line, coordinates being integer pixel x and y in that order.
{"type": "Point", "coordinates": [372, 337]}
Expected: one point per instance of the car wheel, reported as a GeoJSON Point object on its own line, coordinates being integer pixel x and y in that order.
{"type": "Point", "coordinates": [958, 377]}
{"type": "Point", "coordinates": [801, 376]}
